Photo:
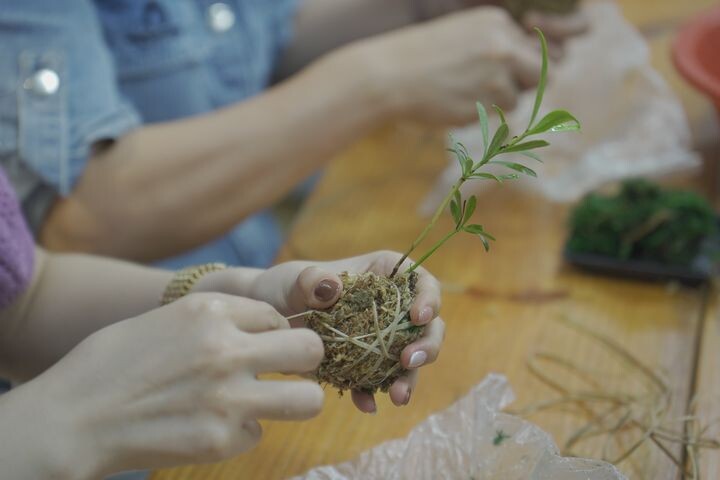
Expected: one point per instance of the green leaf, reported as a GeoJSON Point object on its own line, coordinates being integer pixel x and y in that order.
{"type": "Point", "coordinates": [485, 242]}
{"type": "Point", "coordinates": [469, 209]}
{"type": "Point", "coordinates": [484, 125]}
{"type": "Point", "coordinates": [509, 176]}
{"type": "Point", "coordinates": [466, 164]}
{"type": "Point", "coordinates": [474, 229]}
{"type": "Point", "coordinates": [516, 166]}
{"type": "Point", "coordinates": [556, 121]}
{"type": "Point", "coordinates": [488, 176]}
{"type": "Point", "coordinates": [455, 211]}
{"type": "Point", "coordinates": [481, 233]}
{"type": "Point", "coordinates": [521, 147]}
{"type": "Point", "coordinates": [532, 155]}
{"type": "Point", "coordinates": [498, 139]}
{"type": "Point", "coordinates": [462, 156]}
{"type": "Point", "coordinates": [457, 197]}
{"type": "Point", "coordinates": [500, 113]}
{"type": "Point", "coordinates": [543, 78]}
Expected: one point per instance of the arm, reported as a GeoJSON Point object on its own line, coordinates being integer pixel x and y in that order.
{"type": "Point", "coordinates": [321, 25]}
{"type": "Point", "coordinates": [173, 386]}
{"type": "Point", "coordinates": [73, 296]}
{"type": "Point", "coordinates": [165, 188]}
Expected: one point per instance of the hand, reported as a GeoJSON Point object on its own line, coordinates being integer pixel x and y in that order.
{"type": "Point", "coordinates": [436, 71]}
{"type": "Point", "coordinates": [296, 287]}
{"type": "Point", "coordinates": [429, 9]}
{"type": "Point", "coordinates": [178, 385]}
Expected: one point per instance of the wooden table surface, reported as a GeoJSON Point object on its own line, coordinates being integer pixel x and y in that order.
{"type": "Point", "coordinates": [367, 201]}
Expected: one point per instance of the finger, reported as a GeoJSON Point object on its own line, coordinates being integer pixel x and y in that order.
{"type": "Point", "coordinates": [427, 299]}
{"type": "Point", "coordinates": [281, 400]}
{"type": "Point", "coordinates": [245, 438]}
{"type": "Point", "coordinates": [556, 50]}
{"type": "Point", "coordinates": [501, 89]}
{"type": "Point", "coordinates": [526, 64]}
{"type": "Point", "coordinates": [557, 26]}
{"type": "Point", "coordinates": [365, 402]}
{"type": "Point", "coordinates": [426, 349]}
{"type": "Point", "coordinates": [297, 350]}
{"type": "Point", "coordinates": [314, 288]}
{"type": "Point", "coordinates": [401, 390]}
{"type": "Point", "coordinates": [248, 315]}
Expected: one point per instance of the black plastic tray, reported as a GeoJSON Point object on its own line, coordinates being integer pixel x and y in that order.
{"type": "Point", "coordinates": [700, 270]}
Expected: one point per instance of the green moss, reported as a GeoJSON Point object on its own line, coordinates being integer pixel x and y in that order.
{"type": "Point", "coordinates": [643, 221]}
{"type": "Point", "coordinates": [365, 332]}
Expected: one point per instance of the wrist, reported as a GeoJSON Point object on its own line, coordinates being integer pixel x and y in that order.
{"type": "Point", "coordinates": [374, 78]}
{"type": "Point", "coordinates": [48, 440]}
{"type": "Point", "coordinates": [231, 281]}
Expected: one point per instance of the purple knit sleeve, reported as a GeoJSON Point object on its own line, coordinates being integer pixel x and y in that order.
{"type": "Point", "coordinates": [16, 246]}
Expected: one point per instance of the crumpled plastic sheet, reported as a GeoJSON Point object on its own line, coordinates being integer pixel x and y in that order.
{"type": "Point", "coordinates": [632, 123]}
{"type": "Point", "coordinates": [458, 444]}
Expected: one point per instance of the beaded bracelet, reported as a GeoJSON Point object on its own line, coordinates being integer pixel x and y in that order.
{"type": "Point", "coordinates": [185, 279]}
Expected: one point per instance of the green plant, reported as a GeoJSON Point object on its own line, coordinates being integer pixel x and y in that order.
{"type": "Point", "coordinates": [463, 209]}
{"type": "Point", "coordinates": [643, 221]}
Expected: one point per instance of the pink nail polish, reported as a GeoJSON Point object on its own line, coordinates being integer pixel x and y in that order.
{"type": "Point", "coordinates": [417, 359]}
{"type": "Point", "coordinates": [426, 315]}
{"type": "Point", "coordinates": [407, 396]}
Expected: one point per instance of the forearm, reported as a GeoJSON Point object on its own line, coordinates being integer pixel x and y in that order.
{"type": "Point", "coordinates": [169, 187]}
{"type": "Point", "coordinates": [71, 296]}
{"type": "Point", "coordinates": [322, 25]}
{"type": "Point", "coordinates": [39, 438]}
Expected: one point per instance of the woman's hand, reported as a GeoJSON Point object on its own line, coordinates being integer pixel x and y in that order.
{"type": "Point", "coordinates": [435, 72]}
{"type": "Point", "coordinates": [174, 386]}
{"type": "Point", "coordinates": [296, 287]}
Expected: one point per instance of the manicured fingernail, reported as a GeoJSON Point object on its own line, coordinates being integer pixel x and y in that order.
{"type": "Point", "coordinates": [417, 359]}
{"type": "Point", "coordinates": [326, 290]}
{"type": "Point", "coordinates": [407, 396]}
{"type": "Point", "coordinates": [425, 316]}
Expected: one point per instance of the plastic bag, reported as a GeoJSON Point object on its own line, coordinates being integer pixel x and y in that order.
{"type": "Point", "coordinates": [632, 123]}
{"type": "Point", "coordinates": [463, 442]}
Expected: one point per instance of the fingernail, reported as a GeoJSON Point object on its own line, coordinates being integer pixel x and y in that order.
{"type": "Point", "coordinates": [326, 290]}
{"type": "Point", "coordinates": [425, 315]}
{"type": "Point", "coordinates": [407, 396]}
{"type": "Point", "coordinates": [417, 359]}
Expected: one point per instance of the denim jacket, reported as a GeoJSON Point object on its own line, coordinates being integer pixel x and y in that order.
{"type": "Point", "coordinates": [75, 72]}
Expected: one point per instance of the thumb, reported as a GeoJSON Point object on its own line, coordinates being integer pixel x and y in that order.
{"type": "Point", "coordinates": [314, 288]}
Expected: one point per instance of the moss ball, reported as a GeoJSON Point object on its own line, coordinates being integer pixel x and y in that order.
{"type": "Point", "coordinates": [365, 332]}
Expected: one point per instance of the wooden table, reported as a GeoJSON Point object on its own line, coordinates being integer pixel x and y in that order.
{"type": "Point", "coordinates": [367, 201]}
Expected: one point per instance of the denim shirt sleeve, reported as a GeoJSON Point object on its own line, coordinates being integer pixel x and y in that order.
{"type": "Point", "coordinates": [58, 89]}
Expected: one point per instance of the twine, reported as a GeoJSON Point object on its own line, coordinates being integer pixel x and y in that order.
{"type": "Point", "coordinates": [646, 413]}
{"type": "Point", "coordinates": [382, 338]}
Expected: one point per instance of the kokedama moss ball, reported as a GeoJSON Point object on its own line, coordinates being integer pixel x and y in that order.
{"type": "Point", "coordinates": [365, 332]}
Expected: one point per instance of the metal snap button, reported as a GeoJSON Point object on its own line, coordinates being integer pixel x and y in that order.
{"type": "Point", "coordinates": [221, 17]}
{"type": "Point", "coordinates": [43, 82]}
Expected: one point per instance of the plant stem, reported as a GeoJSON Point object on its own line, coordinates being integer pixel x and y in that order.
{"type": "Point", "coordinates": [432, 250]}
{"type": "Point", "coordinates": [429, 226]}
{"type": "Point", "coordinates": [443, 206]}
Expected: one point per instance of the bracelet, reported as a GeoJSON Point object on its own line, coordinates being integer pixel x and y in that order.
{"type": "Point", "coordinates": [185, 279]}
